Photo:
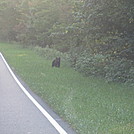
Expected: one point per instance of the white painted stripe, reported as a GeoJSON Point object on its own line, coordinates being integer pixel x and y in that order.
{"type": "Point", "coordinates": [43, 111]}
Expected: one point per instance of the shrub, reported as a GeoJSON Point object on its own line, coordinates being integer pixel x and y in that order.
{"type": "Point", "coordinates": [90, 64]}
{"type": "Point", "coordinates": [50, 54]}
{"type": "Point", "coordinates": [120, 70]}
{"type": "Point", "coordinates": [113, 69]}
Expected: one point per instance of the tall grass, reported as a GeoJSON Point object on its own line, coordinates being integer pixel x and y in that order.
{"type": "Point", "coordinates": [90, 105]}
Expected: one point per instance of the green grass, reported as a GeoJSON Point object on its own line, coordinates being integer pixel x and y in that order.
{"type": "Point", "coordinates": [90, 105]}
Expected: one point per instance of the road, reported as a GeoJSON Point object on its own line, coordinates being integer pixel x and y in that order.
{"type": "Point", "coordinates": [19, 115]}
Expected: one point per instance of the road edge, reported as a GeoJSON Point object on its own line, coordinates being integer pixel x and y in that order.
{"type": "Point", "coordinates": [41, 109]}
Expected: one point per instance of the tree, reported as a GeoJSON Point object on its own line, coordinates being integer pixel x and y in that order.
{"type": "Point", "coordinates": [8, 20]}
{"type": "Point", "coordinates": [110, 23]}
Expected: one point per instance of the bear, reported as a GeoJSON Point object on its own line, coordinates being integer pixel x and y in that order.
{"type": "Point", "coordinates": [56, 62]}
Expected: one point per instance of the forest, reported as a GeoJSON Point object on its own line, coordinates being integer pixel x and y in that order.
{"type": "Point", "coordinates": [98, 35]}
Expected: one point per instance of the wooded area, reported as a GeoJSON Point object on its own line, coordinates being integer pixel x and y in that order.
{"type": "Point", "coordinates": [98, 35]}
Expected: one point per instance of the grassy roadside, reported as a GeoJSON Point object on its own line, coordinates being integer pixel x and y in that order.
{"type": "Point", "coordinates": [91, 105]}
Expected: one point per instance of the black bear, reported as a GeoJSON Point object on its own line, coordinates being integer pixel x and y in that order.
{"type": "Point", "coordinates": [56, 62]}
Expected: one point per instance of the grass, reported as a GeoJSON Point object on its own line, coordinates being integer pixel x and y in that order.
{"type": "Point", "coordinates": [90, 105]}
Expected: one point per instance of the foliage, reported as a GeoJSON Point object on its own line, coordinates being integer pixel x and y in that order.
{"type": "Point", "coordinates": [103, 27]}
{"type": "Point", "coordinates": [120, 70]}
{"type": "Point", "coordinates": [90, 64]}
{"type": "Point", "coordinates": [106, 29]}
{"type": "Point", "coordinates": [49, 53]}
{"type": "Point", "coordinates": [8, 20]}
{"type": "Point", "coordinates": [111, 68]}
{"type": "Point", "coordinates": [42, 19]}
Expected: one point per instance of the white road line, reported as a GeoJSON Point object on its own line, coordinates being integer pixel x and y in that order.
{"type": "Point", "coordinates": [43, 111]}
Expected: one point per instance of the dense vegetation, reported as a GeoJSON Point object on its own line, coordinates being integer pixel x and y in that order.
{"type": "Point", "coordinates": [98, 35]}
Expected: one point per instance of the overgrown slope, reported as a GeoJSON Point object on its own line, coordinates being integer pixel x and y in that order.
{"type": "Point", "coordinates": [90, 105]}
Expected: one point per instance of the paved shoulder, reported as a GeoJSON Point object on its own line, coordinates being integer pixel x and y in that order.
{"type": "Point", "coordinates": [18, 114]}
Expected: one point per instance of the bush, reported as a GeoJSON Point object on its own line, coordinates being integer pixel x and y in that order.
{"type": "Point", "coordinates": [50, 54]}
{"type": "Point", "coordinates": [113, 69]}
{"type": "Point", "coordinates": [120, 70]}
{"type": "Point", "coordinates": [90, 64]}
{"type": "Point", "coordinates": [131, 76]}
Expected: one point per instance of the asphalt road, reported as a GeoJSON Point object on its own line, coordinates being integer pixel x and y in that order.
{"type": "Point", "coordinates": [18, 115]}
